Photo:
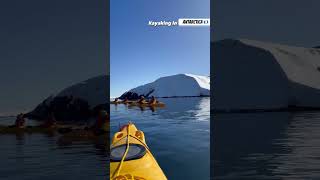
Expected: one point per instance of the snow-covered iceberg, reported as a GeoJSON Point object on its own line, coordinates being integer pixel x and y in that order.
{"type": "Point", "coordinates": [180, 85]}
{"type": "Point", "coordinates": [77, 102]}
{"type": "Point", "coordinates": [254, 75]}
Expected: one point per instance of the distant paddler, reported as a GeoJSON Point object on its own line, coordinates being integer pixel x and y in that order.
{"type": "Point", "coordinates": [101, 125]}
{"type": "Point", "coordinates": [116, 100]}
{"type": "Point", "coordinates": [20, 121]}
{"type": "Point", "coordinates": [142, 100]}
{"type": "Point", "coordinates": [153, 101]}
{"type": "Point", "coordinates": [50, 121]}
{"type": "Point", "coordinates": [126, 100]}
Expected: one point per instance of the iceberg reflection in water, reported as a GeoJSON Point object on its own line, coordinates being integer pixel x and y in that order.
{"type": "Point", "coordinates": [278, 145]}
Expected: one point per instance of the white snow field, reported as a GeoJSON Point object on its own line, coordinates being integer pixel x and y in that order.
{"type": "Point", "coordinates": [253, 75]}
{"type": "Point", "coordinates": [180, 85]}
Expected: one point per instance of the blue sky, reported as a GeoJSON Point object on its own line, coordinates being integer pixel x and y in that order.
{"type": "Point", "coordinates": [291, 22]}
{"type": "Point", "coordinates": [47, 46]}
{"type": "Point", "coordinates": [141, 54]}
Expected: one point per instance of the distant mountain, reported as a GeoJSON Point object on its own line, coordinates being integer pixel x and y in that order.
{"type": "Point", "coordinates": [255, 75]}
{"type": "Point", "coordinates": [180, 85]}
{"type": "Point", "coordinates": [316, 47]}
{"type": "Point", "coordinates": [77, 102]}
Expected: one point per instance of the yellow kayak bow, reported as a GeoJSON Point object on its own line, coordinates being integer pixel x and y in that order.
{"type": "Point", "coordinates": [130, 157]}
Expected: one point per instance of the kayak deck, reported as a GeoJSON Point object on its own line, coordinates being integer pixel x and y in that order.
{"type": "Point", "coordinates": [136, 103]}
{"type": "Point", "coordinates": [141, 166]}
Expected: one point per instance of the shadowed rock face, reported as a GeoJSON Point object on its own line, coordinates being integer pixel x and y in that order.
{"type": "Point", "coordinates": [64, 108]}
{"type": "Point", "coordinates": [130, 96]}
{"type": "Point", "coordinates": [77, 102]}
{"type": "Point", "coordinates": [252, 75]}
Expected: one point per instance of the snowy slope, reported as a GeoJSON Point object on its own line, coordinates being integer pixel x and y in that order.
{"type": "Point", "coordinates": [180, 85]}
{"type": "Point", "coordinates": [300, 64]}
{"type": "Point", "coordinates": [76, 102]}
{"type": "Point", "coordinates": [258, 75]}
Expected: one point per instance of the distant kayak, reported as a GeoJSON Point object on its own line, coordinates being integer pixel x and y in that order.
{"type": "Point", "coordinates": [121, 102]}
{"type": "Point", "coordinates": [136, 103]}
{"type": "Point", "coordinates": [131, 158]}
{"type": "Point", "coordinates": [146, 104]}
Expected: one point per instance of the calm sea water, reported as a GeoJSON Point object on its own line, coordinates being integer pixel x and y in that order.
{"type": "Point", "coordinates": [178, 135]}
{"type": "Point", "coordinates": [277, 145]}
{"type": "Point", "coordinates": [39, 156]}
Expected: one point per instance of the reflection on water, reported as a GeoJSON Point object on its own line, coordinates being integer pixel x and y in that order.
{"type": "Point", "coordinates": [178, 135]}
{"type": "Point", "coordinates": [278, 145]}
{"type": "Point", "coordinates": [38, 156]}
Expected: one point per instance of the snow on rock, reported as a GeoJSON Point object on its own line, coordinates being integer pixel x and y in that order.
{"type": "Point", "coordinates": [77, 102]}
{"type": "Point", "coordinates": [258, 75]}
{"type": "Point", "coordinates": [180, 85]}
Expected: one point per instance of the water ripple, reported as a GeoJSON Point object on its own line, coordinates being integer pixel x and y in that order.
{"type": "Point", "coordinates": [267, 146]}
